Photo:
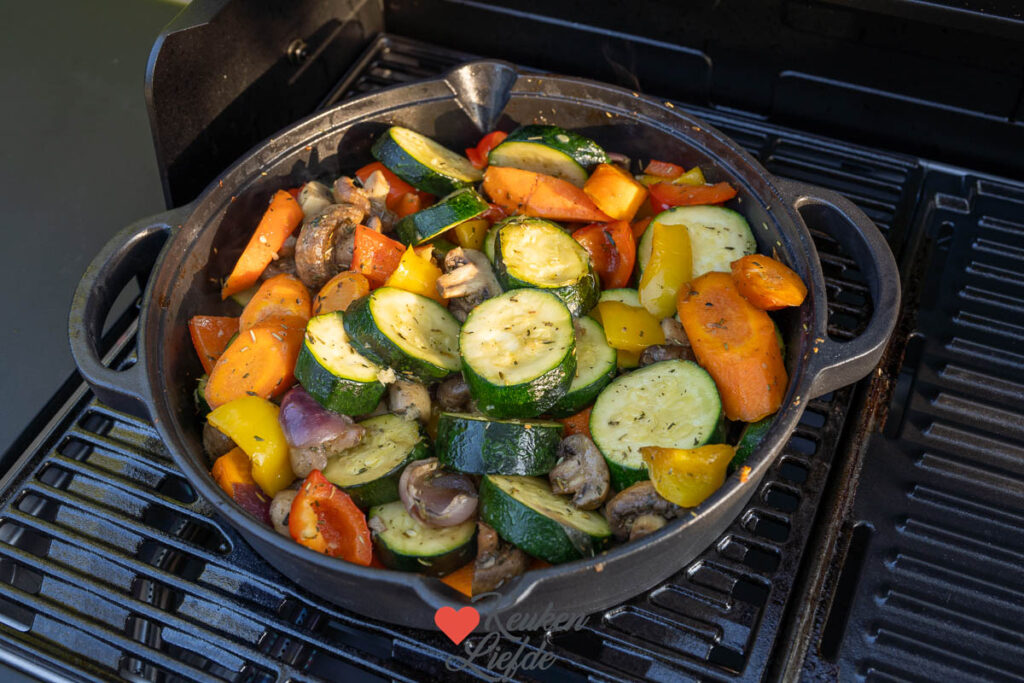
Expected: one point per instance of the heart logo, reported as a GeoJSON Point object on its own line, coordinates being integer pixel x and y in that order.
{"type": "Point", "coordinates": [457, 625]}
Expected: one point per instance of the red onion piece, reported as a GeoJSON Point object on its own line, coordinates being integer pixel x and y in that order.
{"type": "Point", "coordinates": [436, 497]}
{"type": "Point", "coordinates": [307, 423]}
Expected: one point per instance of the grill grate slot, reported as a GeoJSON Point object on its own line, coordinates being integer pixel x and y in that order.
{"type": "Point", "coordinates": [106, 514]}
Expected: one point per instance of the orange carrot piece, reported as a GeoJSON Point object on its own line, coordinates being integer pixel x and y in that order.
{"type": "Point", "coordinates": [281, 300]}
{"type": "Point", "coordinates": [578, 423]}
{"type": "Point", "coordinates": [537, 563]}
{"type": "Point", "coordinates": [735, 342]}
{"type": "Point", "coordinates": [461, 579]}
{"type": "Point", "coordinates": [234, 467]}
{"type": "Point", "coordinates": [408, 204]}
{"type": "Point", "coordinates": [340, 291]}
{"type": "Point", "coordinates": [279, 221]}
{"type": "Point", "coordinates": [261, 363]}
{"type": "Point", "coordinates": [766, 283]}
{"type": "Point", "coordinates": [375, 255]}
{"type": "Point", "coordinates": [539, 195]}
{"type": "Point", "coordinates": [210, 336]}
{"type": "Point", "coordinates": [615, 192]}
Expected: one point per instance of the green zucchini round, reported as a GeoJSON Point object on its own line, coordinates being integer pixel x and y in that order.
{"type": "Point", "coordinates": [423, 163]}
{"type": "Point", "coordinates": [333, 372]}
{"type": "Point", "coordinates": [408, 545]}
{"type": "Point", "coordinates": [595, 368]}
{"type": "Point", "coordinates": [475, 444]}
{"type": "Point", "coordinates": [458, 207]}
{"type": "Point", "coordinates": [550, 150]}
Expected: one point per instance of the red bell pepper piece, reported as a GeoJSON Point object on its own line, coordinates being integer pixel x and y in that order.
{"type": "Point", "coordinates": [375, 255]}
{"type": "Point", "coordinates": [210, 336]}
{"type": "Point", "coordinates": [578, 423]}
{"type": "Point", "coordinates": [409, 203]}
{"type": "Point", "coordinates": [612, 250]}
{"type": "Point", "coordinates": [494, 214]}
{"type": "Point", "coordinates": [478, 155]}
{"type": "Point", "coordinates": [294, 191]}
{"type": "Point", "coordinates": [324, 518]}
{"type": "Point", "coordinates": [398, 187]}
{"type": "Point", "coordinates": [666, 195]}
{"type": "Point", "coordinates": [663, 169]}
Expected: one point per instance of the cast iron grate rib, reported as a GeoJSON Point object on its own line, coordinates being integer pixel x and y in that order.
{"type": "Point", "coordinates": [111, 567]}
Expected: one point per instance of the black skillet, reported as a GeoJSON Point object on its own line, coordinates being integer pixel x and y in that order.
{"type": "Point", "coordinates": [185, 251]}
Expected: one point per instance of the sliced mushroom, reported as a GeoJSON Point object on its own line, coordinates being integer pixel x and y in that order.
{"type": "Point", "coordinates": [347, 192]}
{"type": "Point", "coordinates": [436, 497]}
{"type": "Point", "coordinates": [453, 393]}
{"type": "Point", "coordinates": [660, 352]}
{"type": "Point", "coordinates": [674, 332]}
{"type": "Point", "coordinates": [377, 188]}
{"type": "Point", "coordinates": [496, 560]}
{"type": "Point", "coordinates": [325, 243]}
{"type": "Point", "coordinates": [313, 198]}
{"type": "Point", "coordinates": [630, 513]}
{"type": "Point", "coordinates": [215, 442]}
{"type": "Point", "coordinates": [280, 508]}
{"type": "Point", "coordinates": [411, 400]}
{"type": "Point", "coordinates": [468, 281]}
{"type": "Point", "coordinates": [581, 471]}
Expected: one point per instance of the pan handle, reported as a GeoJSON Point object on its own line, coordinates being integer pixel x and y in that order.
{"type": "Point", "coordinates": [130, 253]}
{"type": "Point", "coordinates": [837, 364]}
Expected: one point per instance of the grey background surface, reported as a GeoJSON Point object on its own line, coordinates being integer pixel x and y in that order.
{"type": "Point", "coordinates": [76, 165]}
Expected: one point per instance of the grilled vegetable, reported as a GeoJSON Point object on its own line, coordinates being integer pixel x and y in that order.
{"type": "Point", "coordinates": [612, 251]}
{"type": "Point", "coordinates": [210, 336]}
{"type": "Point", "coordinates": [416, 274]}
{"type": "Point", "coordinates": [672, 404]}
{"type": "Point", "coordinates": [333, 371]}
{"type": "Point", "coordinates": [665, 195]}
{"type": "Point", "coordinates": [549, 150]}
{"type": "Point", "coordinates": [535, 253]}
{"type": "Point", "coordinates": [517, 353]}
{"type": "Point", "coordinates": [375, 255]}
{"type": "Point", "coordinates": [615, 192]}
{"type": "Point", "coordinates": [736, 343]}
{"type": "Point", "coordinates": [766, 283]}
{"type": "Point", "coordinates": [475, 444]}
{"type": "Point", "coordinates": [581, 472]}
{"type": "Point", "coordinates": [279, 221]}
{"type": "Point", "coordinates": [233, 473]}
{"type": "Point", "coordinates": [750, 438]}
{"type": "Point", "coordinates": [718, 236]}
{"type": "Point", "coordinates": [525, 512]}
{"type": "Point", "coordinates": [369, 471]}
{"type": "Point", "coordinates": [261, 362]}
{"type": "Point", "coordinates": [478, 155]}
{"type": "Point", "coordinates": [323, 518]}
{"type": "Point", "coordinates": [406, 544]}
{"type": "Point", "coordinates": [422, 162]}
{"type": "Point", "coordinates": [252, 423]}
{"type": "Point", "coordinates": [629, 328]}
{"type": "Point", "coordinates": [541, 196]}
{"type": "Point", "coordinates": [280, 301]}
{"type": "Point", "coordinates": [669, 269]}
{"type": "Point", "coordinates": [407, 332]}
{"type": "Point", "coordinates": [687, 476]}
{"type": "Point", "coordinates": [437, 497]}
{"type": "Point", "coordinates": [313, 432]}
{"type": "Point", "coordinates": [595, 368]}
{"type": "Point", "coordinates": [458, 207]}
{"type": "Point", "coordinates": [638, 511]}
{"type": "Point", "coordinates": [340, 291]}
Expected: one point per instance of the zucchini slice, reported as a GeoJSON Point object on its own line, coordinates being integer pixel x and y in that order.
{"type": "Point", "coordinates": [532, 252]}
{"type": "Point", "coordinates": [549, 150]}
{"type": "Point", "coordinates": [525, 512]}
{"type": "Point", "coordinates": [407, 332]}
{"type": "Point", "coordinates": [750, 438]}
{"type": "Point", "coordinates": [595, 368]}
{"type": "Point", "coordinates": [718, 236]}
{"type": "Point", "coordinates": [424, 163]}
{"type": "Point", "coordinates": [369, 471]}
{"type": "Point", "coordinates": [475, 444]}
{"type": "Point", "coordinates": [489, 239]}
{"type": "Point", "coordinates": [518, 353]}
{"type": "Point", "coordinates": [333, 371]}
{"type": "Point", "coordinates": [672, 404]}
{"type": "Point", "coordinates": [406, 544]}
{"type": "Point", "coordinates": [458, 207]}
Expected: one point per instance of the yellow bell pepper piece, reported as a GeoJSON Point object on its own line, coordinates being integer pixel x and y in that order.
{"type": "Point", "coordinates": [684, 476]}
{"type": "Point", "coordinates": [670, 267]}
{"type": "Point", "coordinates": [470, 234]}
{"type": "Point", "coordinates": [417, 275]}
{"type": "Point", "coordinates": [627, 359]}
{"type": "Point", "coordinates": [252, 424]}
{"type": "Point", "coordinates": [692, 177]}
{"type": "Point", "coordinates": [629, 328]}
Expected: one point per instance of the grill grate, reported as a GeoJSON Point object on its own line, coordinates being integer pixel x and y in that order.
{"type": "Point", "coordinates": [111, 567]}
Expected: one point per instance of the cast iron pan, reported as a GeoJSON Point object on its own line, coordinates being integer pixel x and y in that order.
{"type": "Point", "coordinates": [184, 252]}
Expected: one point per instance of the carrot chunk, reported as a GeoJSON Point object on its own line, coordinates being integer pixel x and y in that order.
{"type": "Point", "coordinates": [281, 300]}
{"type": "Point", "coordinates": [260, 362]}
{"type": "Point", "coordinates": [539, 195]}
{"type": "Point", "coordinates": [766, 283]}
{"type": "Point", "coordinates": [210, 336]}
{"type": "Point", "coordinates": [279, 221]}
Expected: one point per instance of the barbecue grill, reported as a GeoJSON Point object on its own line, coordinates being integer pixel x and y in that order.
{"type": "Point", "coordinates": [884, 543]}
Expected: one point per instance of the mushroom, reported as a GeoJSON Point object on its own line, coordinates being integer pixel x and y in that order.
{"type": "Point", "coordinates": [581, 471]}
{"type": "Point", "coordinates": [347, 192]}
{"type": "Point", "coordinates": [468, 281]}
{"type": "Point", "coordinates": [280, 508]}
{"type": "Point", "coordinates": [377, 188]}
{"type": "Point", "coordinates": [215, 442]}
{"type": "Point", "coordinates": [453, 393]}
{"type": "Point", "coordinates": [660, 352]}
{"type": "Point", "coordinates": [325, 243]}
{"type": "Point", "coordinates": [313, 198]}
{"type": "Point", "coordinates": [409, 399]}
{"type": "Point", "coordinates": [436, 497]}
{"type": "Point", "coordinates": [637, 511]}
{"type": "Point", "coordinates": [674, 332]}
{"type": "Point", "coordinates": [496, 560]}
